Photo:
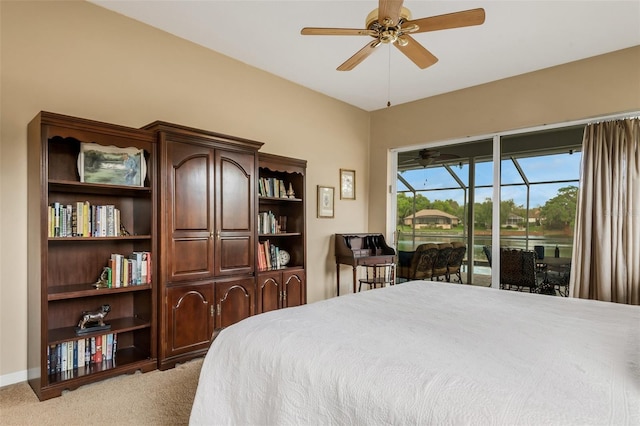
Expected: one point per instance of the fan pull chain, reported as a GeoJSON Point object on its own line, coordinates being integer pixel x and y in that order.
{"type": "Point", "coordinates": [389, 80]}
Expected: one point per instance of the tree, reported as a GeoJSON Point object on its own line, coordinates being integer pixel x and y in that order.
{"type": "Point", "coordinates": [483, 212]}
{"type": "Point", "coordinates": [560, 211]}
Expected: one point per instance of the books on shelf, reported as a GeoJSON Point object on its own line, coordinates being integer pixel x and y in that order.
{"type": "Point", "coordinates": [124, 271]}
{"type": "Point", "coordinates": [268, 256]}
{"type": "Point", "coordinates": [81, 219]}
{"type": "Point", "coordinates": [272, 187]}
{"type": "Point", "coordinates": [76, 354]}
{"type": "Point", "coordinates": [269, 223]}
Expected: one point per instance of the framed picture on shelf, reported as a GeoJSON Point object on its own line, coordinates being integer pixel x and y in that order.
{"type": "Point", "coordinates": [347, 184]}
{"type": "Point", "coordinates": [111, 165]}
{"type": "Point", "coordinates": [325, 201]}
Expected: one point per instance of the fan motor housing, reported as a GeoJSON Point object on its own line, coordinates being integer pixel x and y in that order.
{"type": "Point", "coordinates": [372, 19]}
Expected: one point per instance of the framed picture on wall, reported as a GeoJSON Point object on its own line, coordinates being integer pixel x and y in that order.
{"type": "Point", "coordinates": [325, 201]}
{"type": "Point", "coordinates": [347, 184]}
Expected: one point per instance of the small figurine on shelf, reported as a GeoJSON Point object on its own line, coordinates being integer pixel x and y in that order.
{"type": "Point", "coordinates": [90, 317]}
{"type": "Point", "coordinates": [290, 192]}
{"type": "Point", "coordinates": [123, 231]}
{"type": "Point", "coordinates": [103, 280]}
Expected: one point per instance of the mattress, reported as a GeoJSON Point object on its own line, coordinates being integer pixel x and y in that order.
{"type": "Point", "coordinates": [424, 352]}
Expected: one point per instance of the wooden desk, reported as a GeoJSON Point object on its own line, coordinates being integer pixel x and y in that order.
{"type": "Point", "coordinates": [361, 249]}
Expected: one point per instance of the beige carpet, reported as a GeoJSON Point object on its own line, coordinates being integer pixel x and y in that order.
{"type": "Point", "coordinates": [154, 398]}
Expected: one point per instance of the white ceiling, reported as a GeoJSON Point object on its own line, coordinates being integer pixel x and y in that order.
{"type": "Point", "coordinates": [517, 37]}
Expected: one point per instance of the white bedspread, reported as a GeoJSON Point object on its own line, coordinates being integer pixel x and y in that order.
{"type": "Point", "coordinates": [424, 353]}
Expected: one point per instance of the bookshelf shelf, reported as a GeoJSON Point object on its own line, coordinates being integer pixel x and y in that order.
{"type": "Point", "coordinates": [264, 199]}
{"type": "Point", "coordinates": [121, 238]}
{"type": "Point", "coordinates": [71, 291]}
{"type": "Point", "coordinates": [281, 234]}
{"type": "Point", "coordinates": [62, 269]}
{"type": "Point", "coordinates": [132, 359]}
{"type": "Point", "coordinates": [94, 188]}
{"type": "Point", "coordinates": [118, 325]}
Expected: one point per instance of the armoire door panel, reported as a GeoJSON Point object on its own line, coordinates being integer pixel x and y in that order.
{"type": "Point", "coordinates": [234, 302]}
{"type": "Point", "coordinates": [293, 284]}
{"type": "Point", "coordinates": [235, 253]}
{"type": "Point", "coordinates": [190, 321]}
{"type": "Point", "coordinates": [189, 212]}
{"type": "Point", "coordinates": [235, 215]}
{"type": "Point", "coordinates": [191, 258]}
{"type": "Point", "coordinates": [190, 188]}
{"type": "Point", "coordinates": [269, 292]}
{"type": "Point", "coordinates": [235, 197]}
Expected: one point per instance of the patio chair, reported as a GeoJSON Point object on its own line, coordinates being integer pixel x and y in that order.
{"type": "Point", "coordinates": [518, 269]}
{"type": "Point", "coordinates": [440, 266]}
{"type": "Point", "coordinates": [423, 260]}
{"type": "Point", "coordinates": [455, 261]}
{"type": "Point", "coordinates": [487, 252]}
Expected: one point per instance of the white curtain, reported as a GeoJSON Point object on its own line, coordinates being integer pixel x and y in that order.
{"type": "Point", "coordinates": [606, 245]}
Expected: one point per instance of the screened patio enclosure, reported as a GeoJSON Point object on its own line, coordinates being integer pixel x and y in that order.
{"type": "Point", "coordinates": [538, 181]}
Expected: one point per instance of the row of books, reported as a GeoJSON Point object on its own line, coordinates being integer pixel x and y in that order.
{"type": "Point", "coordinates": [81, 219]}
{"type": "Point", "coordinates": [269, 223]}
{"type": "Point", "coordinates": [272, 187]}
{"type": "Point", "coordinates": [128, 271]}
{"type": "Point", "coordinates": [268, 256]}
{"type": "Point", "coordinates": [76, 354]}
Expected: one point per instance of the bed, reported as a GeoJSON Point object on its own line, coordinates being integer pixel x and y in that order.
{"type": "Point", "coordinates": [424, 352]}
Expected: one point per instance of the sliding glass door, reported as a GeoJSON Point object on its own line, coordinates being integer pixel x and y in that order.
{"type": "Point", "coordinates": [446, 194]}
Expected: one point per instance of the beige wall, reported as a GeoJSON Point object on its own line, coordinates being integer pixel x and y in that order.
{"type": "Point", "coordinates": [594, 87]}
{"type": "Point", "coordinates": [78, 59]}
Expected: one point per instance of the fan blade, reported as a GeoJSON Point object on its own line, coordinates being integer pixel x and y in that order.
{"type": "Point", "coordinates": [465, 18]}
{"type": "Point", "coordinates": [416, 52]}
{"type": "Point", "coordinates": [360, 56]}
{"type": "Point", "coordinates": [389, 9]}
{"type": "Point", "coordinates": [336, 31]}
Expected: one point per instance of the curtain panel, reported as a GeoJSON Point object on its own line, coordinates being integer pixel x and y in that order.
{"type": "Point", "coordinates": [606, 256]}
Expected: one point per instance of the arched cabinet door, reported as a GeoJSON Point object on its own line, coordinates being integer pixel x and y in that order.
{"type": "Point", "coordinates": [269, 291]}
{"type": "Point", "coordinates": [189, 212]}
{"type": "Point", "coordinates": [235, 212]}
{"type": "Point", "coordinates": [234, 301]}
{"type": "Point", "coordinates": [189, 318]}
{"type": "Point", "coordinates": [294, 287]}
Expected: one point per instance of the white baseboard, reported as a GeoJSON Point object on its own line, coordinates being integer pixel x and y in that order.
{"type": "Point", "coordinates": [12, 378]}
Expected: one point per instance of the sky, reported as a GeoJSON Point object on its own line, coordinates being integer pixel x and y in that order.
{"type": "Point", "coordinates": [536, 169]}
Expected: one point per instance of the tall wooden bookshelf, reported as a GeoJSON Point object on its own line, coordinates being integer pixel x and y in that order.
{"type": "Point", "coordinates": [62, 270]}
{"type": "Point", "coordinates": [282, 225]}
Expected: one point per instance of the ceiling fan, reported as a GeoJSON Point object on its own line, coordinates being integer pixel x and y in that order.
{"type": "Point", "coordinates": [427, 156]}
{"type": "Point", "coordinates": [392, 23]}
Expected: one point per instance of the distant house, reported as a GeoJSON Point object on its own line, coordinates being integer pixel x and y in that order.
{"type": "Point", "coordinates": [535, 216]}
{"type": "Point", "coordinates": [514, 220]}
{"type": "Point", "coordinates": [431, 218]}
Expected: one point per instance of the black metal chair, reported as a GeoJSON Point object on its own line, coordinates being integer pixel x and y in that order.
{"type": "Point", "coordinates": [518, 268]}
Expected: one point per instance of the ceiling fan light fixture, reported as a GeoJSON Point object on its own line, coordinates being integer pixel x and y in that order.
{"type": "Point", "coordinates": [402, 42]}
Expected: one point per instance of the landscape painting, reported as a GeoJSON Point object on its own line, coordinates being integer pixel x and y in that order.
{"type": "Point", "coordinates": [111, 165]}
